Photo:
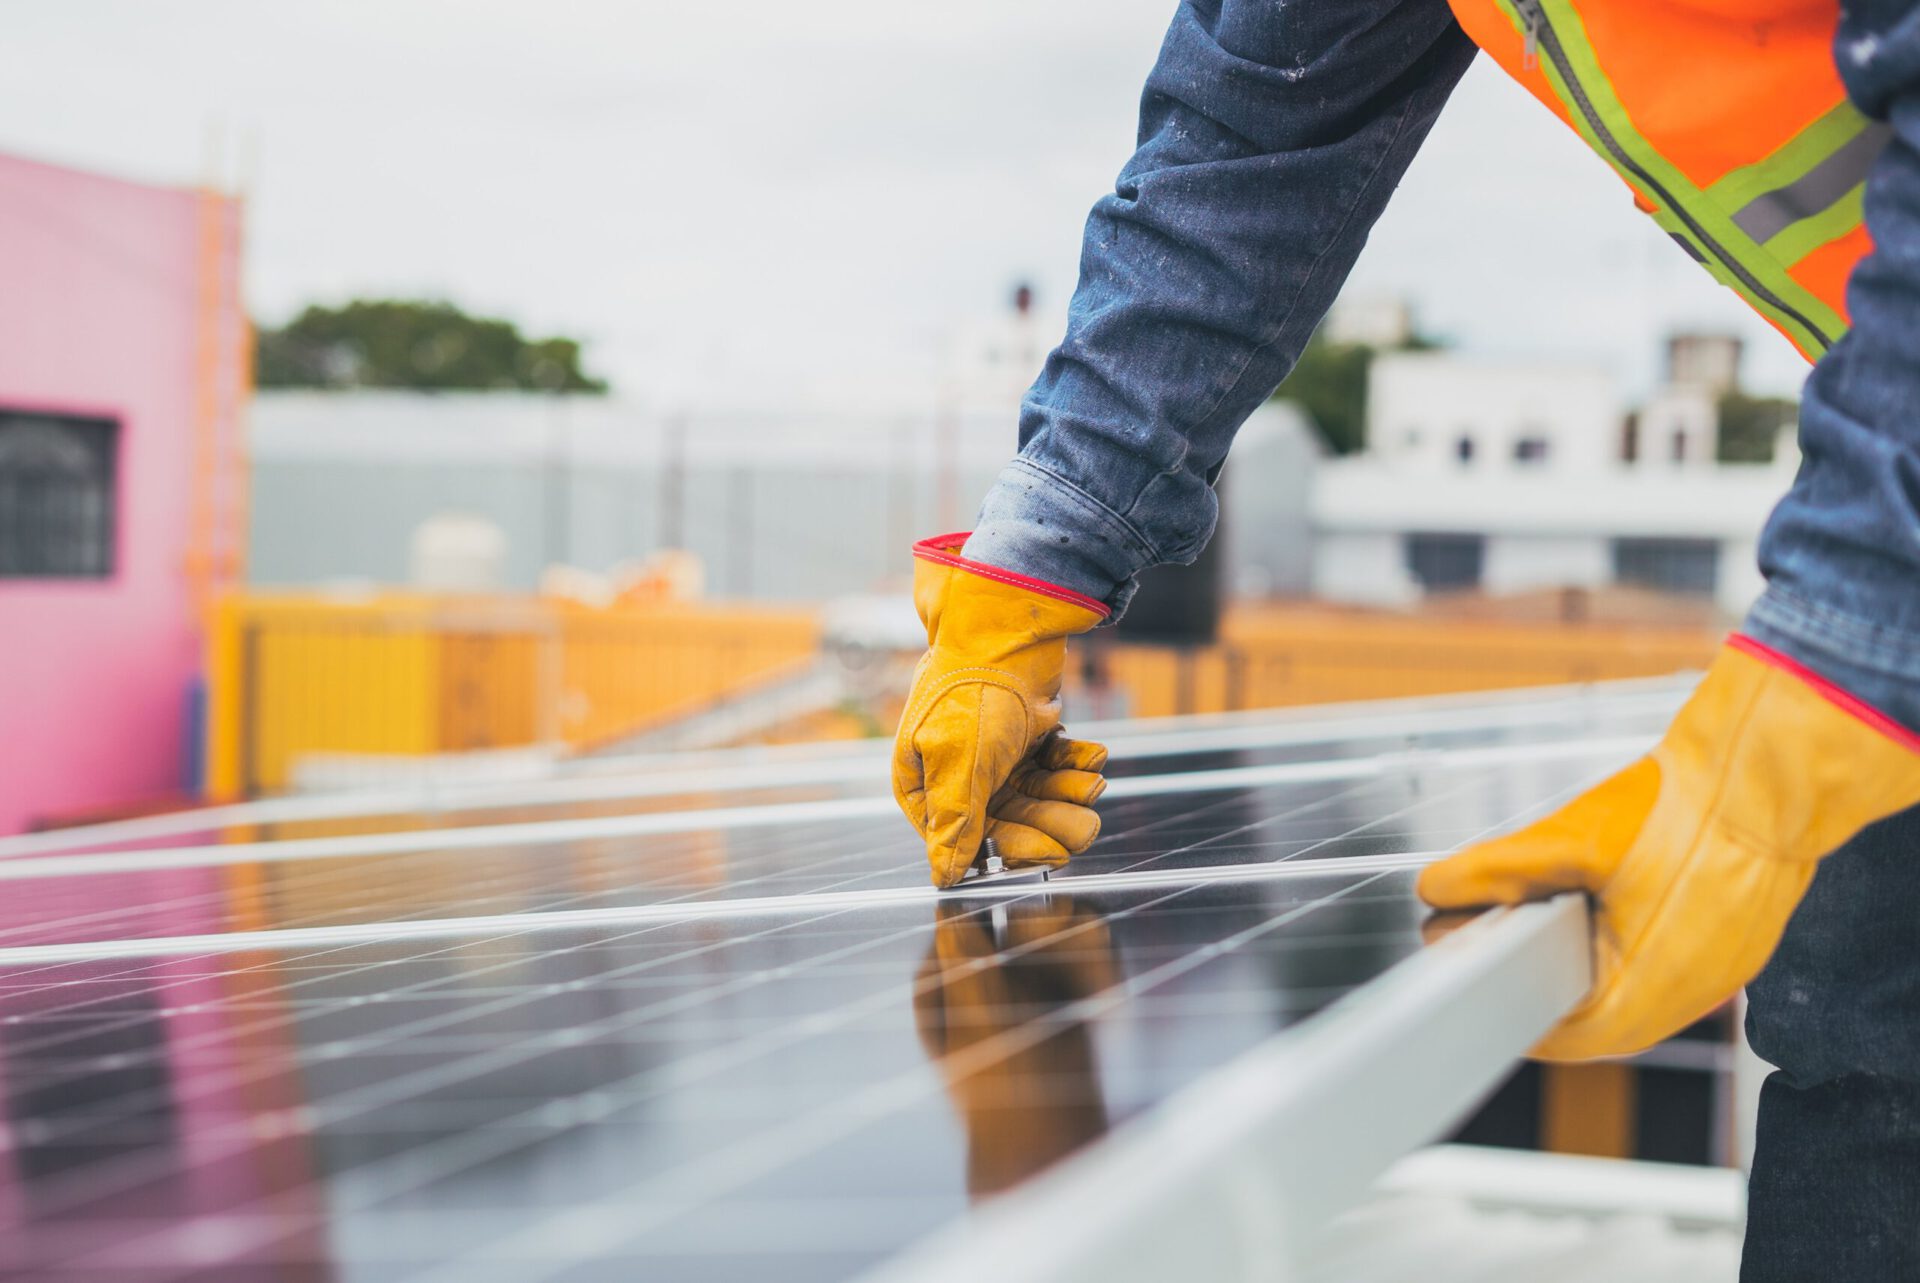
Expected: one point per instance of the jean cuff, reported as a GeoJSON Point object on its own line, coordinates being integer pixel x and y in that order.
{"type": "Point", "coordinates": [1878, 665]}
{"type": "Point", "coordinates": [1035, 523]}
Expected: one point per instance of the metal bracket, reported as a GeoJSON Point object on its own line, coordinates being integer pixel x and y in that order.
{"type": "Point", "coordinates": [987, 868]}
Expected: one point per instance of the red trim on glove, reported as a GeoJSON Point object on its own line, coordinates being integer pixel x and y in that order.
{"type": "Point", "coordinates": [945, 549]}
{"type": "Point", "coordinates": [1842, 700]}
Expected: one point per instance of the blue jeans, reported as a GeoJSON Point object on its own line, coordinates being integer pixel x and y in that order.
{"type": "Point", "coordinates": [1836, 1177]}
{"type": "Point", "coordinates": [1271, 136]}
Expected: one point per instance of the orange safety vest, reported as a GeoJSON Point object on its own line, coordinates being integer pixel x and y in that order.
{"type": "Point", "coordinates": [1728, 121]}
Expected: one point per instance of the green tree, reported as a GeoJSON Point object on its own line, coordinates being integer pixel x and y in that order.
{"type": "Point", "coordinates": [1750, 425]}
{"type": "Point", "coordinates": [1329, 383]}
{"type": "Point", "coordinates": [404, 343]}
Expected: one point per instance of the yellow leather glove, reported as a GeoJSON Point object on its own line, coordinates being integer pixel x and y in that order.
{"type": "Point", "coordinates": [1022, 1078]}
{"type": "Point", "coordinates": [979, 753]}
{"type": "Point", "coordinates": [1696, 855]}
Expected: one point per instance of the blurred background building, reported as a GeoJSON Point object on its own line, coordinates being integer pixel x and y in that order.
{"type": "Point", "coordinates": [443, 573]}
{"type": "Point", "coordinates": [1491, 523]}
{"type": "Point", "coordinates": [1515, 477]}
{"type": "Point", "coordinates": [123, 374]}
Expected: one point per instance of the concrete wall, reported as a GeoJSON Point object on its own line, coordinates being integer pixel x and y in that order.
{"type": "Point", "coordinates": [788, 505]}
{"type": "Point", "coordinates": [98, 316]}
{"type": "Point", "coordinates": [777, 533]}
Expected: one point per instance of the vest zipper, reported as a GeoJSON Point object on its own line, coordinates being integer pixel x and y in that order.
{"type": "Point", "coordinates": [1540, 36]}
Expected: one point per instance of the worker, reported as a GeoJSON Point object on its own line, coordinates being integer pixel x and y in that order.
{"type": "Point", "coordinates": [1778, 141]}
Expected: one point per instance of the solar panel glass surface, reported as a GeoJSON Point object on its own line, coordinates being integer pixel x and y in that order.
{"type": "Point", "coordinates": [803, 1089]}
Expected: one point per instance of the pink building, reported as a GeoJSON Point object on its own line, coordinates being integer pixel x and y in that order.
{"type": "Point", "coordinates": [122, 379]}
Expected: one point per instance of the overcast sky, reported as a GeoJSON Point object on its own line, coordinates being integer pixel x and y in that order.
{"type": "Point", "coordinates": [732, 200]}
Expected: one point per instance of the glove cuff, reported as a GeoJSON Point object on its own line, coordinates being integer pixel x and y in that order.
{"type": "Point", "coordinates": [1845, 701]}
{"type": "Point", "coordinates": [945, 550]}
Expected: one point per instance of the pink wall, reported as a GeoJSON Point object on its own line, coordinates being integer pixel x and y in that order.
{"type": "Point", "coordinates": [99, 314]}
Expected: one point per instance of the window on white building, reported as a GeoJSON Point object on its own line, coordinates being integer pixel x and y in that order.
{"type": "Point", "coordinates": [1445, 562]}
{"type": "Point", "coordinates": [1463, 449]}
{"type": "Point", "coordinates": [56, 496]}
{"type": "Point", "coordinates": [1530, 450]}
{"type": "Point", "coordinates": [1690, 566]}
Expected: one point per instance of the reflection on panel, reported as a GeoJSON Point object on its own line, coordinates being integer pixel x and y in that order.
{"type": "Point", "coordinates": [996, 1003]}
{"type": "Point", "coordinates": [839, 1081]}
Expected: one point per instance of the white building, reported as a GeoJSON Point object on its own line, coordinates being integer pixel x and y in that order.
{"type": "Point", "coordinates": [1506, 477]}
{"type": "Point", "coordinates": [1437, 413]}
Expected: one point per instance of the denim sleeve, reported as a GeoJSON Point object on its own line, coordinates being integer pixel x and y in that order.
{"type": "Point", "coordinates": [1271, 134]}
{"type": "Point", "coordinates": [1841, 553]}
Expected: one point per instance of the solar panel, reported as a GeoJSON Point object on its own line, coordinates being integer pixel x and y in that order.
{"type": "Point", "coordinates": [675, 783]}
{"type": "Point", "coordinates": [716, 1047]}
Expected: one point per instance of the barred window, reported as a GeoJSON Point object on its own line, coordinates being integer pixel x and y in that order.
{"type": "Point", "coordinates": [1445, 562]}
{"type": "Point", "coordinates": [56, 496]}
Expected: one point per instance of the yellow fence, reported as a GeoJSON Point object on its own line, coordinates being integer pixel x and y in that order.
{"type": "Point", "coordinates": [1275, 656]}
{"type": "Point", "coordinates": [291, 675]}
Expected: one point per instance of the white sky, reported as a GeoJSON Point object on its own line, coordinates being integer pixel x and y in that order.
{"type": "Point", "coordinates": [732, 201]}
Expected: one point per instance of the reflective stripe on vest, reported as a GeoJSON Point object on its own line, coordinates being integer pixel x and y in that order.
{"type": "Point", "coordinates": [1805, 189]}
{"type": "Point", "coordinates": [1783, 228]}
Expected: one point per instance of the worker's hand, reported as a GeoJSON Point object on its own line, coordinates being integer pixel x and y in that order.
{"type": "Point", "coordinates": [1696, 855]}
{"type": "Point", "coordinates": [979, 754]}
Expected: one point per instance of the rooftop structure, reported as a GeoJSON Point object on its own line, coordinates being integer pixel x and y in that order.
{"type": "Point", "coordinates": [121, 490]}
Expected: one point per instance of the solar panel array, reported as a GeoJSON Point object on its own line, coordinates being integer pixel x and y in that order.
{"type": "Point", "coordinates": [480, 1044]}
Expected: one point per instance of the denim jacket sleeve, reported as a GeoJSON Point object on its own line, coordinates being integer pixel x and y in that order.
{"type": "Point", "coordinates": [1271, 135]}
{"type": "Point", "coordinates": [1841, 553]}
